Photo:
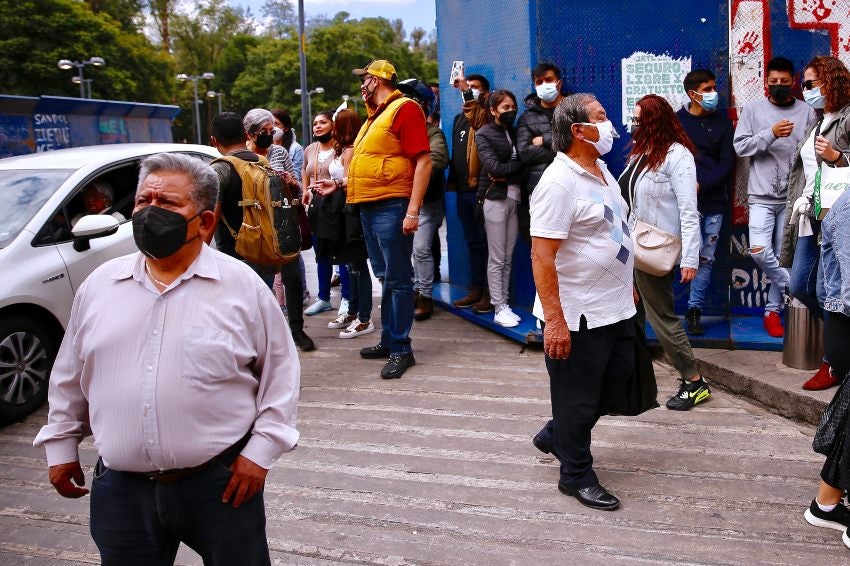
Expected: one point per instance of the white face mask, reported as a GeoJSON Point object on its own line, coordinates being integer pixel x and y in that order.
{"type": "Point", "coordinates": [547, 92]}
{"type": "Point", "coordinates": [277, 134]}
{"type": "Point", "coordinates": [814, 98]}
{"type": "Point", "coordinates": [607, 133]}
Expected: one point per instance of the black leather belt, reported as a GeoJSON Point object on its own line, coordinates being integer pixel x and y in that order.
{"type": "Point", "coordinates": [169, 476]}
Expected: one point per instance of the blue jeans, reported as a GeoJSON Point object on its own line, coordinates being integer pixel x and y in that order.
{"type": "Point", "coordinates": [710, 227]}
{"type": "Point", "coordinates": [807, 275]}
{"type": "Point", "coordinates": [324, 273]}
{"type": "Point", "coordinates": [430, 217]}
{"type": "Point", "coordinates": [389, 251]}
{"type": "Point", "coordinates": [360, 280]}
{"type": "Point", "coordinates": [475, 236]}
{"type": "Point", "coordinates": [138, 521]}
{"type": "Point", "coordinates": [767, 225]}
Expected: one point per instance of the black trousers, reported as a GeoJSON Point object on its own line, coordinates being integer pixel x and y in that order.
{"type": "Point", "coordinates": [836, 337]}
{"type": "Point", "coordinates": [293, 289]}
{"type": "Point", "coordinates": [582, 388]}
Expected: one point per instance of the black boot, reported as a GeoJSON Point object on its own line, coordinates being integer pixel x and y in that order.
{"type": "Point", "coordinates": [693, 320]}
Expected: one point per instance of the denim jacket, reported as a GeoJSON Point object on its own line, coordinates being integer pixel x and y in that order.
{"type": "Point", "coordinates": [667, 199]}
{"type": "Point", "coordinates": [835, 257]}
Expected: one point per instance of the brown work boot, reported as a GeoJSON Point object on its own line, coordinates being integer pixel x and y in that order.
{"type": "Point", "coordinates": [484, 305]}
{"type": "Point", "coordinates": [424, 308]}
{"type": "Point", "coordinates": [470, 299]}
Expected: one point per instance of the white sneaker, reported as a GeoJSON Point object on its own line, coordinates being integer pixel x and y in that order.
{"type": "Point", "coordinates": [511, 313]}
{"type": "Point", "coordinates": [318, 307]}
{"type": "Point", "coordinates": [357, 328]}
{"type": "Point", "coordinates": [342, 321]}
{"type": "Point", "coordinates": [343, 307]}
{"type": "Point", "coordinates": [504, 318]}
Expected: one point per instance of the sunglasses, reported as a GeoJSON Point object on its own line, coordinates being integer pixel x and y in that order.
{"type": "Point", "coordinates": [810, 84]}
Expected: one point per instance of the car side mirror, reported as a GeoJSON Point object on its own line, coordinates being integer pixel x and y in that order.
{"type": "Point", "coordinates": [92, 226]}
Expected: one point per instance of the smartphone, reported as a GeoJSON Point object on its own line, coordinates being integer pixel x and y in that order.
{"type": "Point", "coordinates": [457, 72]}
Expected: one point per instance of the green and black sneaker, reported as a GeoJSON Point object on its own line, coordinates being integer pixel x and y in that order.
{"type": "Point", "coordinates": [690, 394]}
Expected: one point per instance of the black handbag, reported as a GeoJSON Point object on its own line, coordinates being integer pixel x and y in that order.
{"type": "Point", "coordinates": [833, 421]}
{"type": "Point", "coordinates": [641, 388]}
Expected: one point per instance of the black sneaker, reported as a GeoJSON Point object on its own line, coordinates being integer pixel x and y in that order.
{"type": "Point", "coordinates": [304, 342]}
{"type": "Point", "coordinates": [838, 518]}
{"type": "Point", "coordinates": [375, 352]}
{"type": "Point", "coordinates": [690, 393]}
{"type": "Point", "coordinates": [692, 318]}
{"type": "Point", "coordinates": [397, 365]}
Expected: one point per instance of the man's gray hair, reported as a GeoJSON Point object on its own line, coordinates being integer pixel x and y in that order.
{"type": "Point", "coordinates": [571, 110]}
{"type": "Point", "coordinates": [254, 119]}
{"type": "Point", "coordinates": [204, 193]}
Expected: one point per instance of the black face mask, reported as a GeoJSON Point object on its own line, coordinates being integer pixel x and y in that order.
{"type": "Point", "coordinates": [264, 141]}
{"type": "Point", "coordinates": [325, 138]}
{"type": "Point", "coordinates": [779, 93]}
{"type": "Point", "coordinates": [507, 118]}
{"type": "Point", "coordinates": [160, 232]}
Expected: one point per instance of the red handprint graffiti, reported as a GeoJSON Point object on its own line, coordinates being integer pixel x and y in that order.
{"type": "Point", "coordinates": [748, 44]}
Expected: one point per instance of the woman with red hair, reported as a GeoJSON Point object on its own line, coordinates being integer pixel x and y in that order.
{"type": "Point", "coordinates": [660, 185]}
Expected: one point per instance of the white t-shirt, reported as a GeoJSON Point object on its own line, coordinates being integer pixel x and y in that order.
{"type": "Point", "coordinates": [336, 169]}
{"type": "Point", "coordinates": [807, 154]}
{"type": "Point", "coordinates": [595, 260]}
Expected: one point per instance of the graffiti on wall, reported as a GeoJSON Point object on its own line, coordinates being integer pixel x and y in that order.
{"type": "Point", "coordinates": [14, 135]}
{"type": "Point", "coordinates": [51, 131]}
{"type": "Point", "coordinates": [112, 130]}
{"type": "Point", "coordinates": [832, 16]}
{"type": "Point", "coordinates": [647, 73]}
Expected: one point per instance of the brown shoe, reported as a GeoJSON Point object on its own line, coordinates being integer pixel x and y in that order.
{"type": "Point", "coordinates": [473, 297]}
{"type": "Point", "coordinates": [424, 308]}
{"type": "Point", "coordinates": [484, 305]}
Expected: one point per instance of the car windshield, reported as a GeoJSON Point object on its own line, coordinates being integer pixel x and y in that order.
{"type": "Point", "coordinates": [22, 194]}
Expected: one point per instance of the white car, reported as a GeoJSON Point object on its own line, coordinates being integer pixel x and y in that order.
{"type": "Point", "coordinates": [49, 243]}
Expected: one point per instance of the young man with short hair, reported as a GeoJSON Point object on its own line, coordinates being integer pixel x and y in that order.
{"type": "Point", "coordinates": [534, 129]}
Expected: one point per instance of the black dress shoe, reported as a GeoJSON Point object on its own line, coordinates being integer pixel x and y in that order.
{"type": "Point", "coordinates": [542, 444]}
{"type": "Point", "coordinates": [375, 352]}
{"type": "Point", "coordinates": [304, 342]}
{"type": "Point", "coordinates": [595, 496]}
{"type": "Point", "coordinates": [397, 365]}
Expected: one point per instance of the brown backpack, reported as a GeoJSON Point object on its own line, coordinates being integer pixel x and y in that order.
{"type": "Point", "coordinates": [270, 234]}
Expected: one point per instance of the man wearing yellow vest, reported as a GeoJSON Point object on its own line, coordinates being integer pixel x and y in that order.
{"type": "Point", "coordinates": [387, 178]}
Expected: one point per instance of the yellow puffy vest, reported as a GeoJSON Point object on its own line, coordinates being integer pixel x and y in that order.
{"type": "Point", "coordinates": [378, 169]}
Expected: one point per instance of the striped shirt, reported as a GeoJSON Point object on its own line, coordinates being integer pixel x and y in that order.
{"type": "Point", "coordinates": [166, 381]}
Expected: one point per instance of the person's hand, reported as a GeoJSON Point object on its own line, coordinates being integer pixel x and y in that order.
{"type": "Point", "coordinates": [460, 83]}
{"type": "Point", "coordinates": [635, 295]}
{"type": "Point", "coordinates": [802, 206]}
{"type": "Point", "coordinates": [62, 474]}
{"type": "Point", "coordinates": [538, 140]}
{"type": "Point", "coordinates": [289, 179]}
{"type": "Point", "coordinates": [306, 197]}
{"type": "Point", "coordinates": [556, 340]}
{"type": "Point", "coordinates": [324, 187]}
{"type": "Point", "coordinates": [246, 481]}
{"type": "Point", "coordinates": [688, 274]}
{"type": "Point", "coordinates": [824, 149]}
{"type": "Point", "coordinates": [410, 225]}
{"type": "Point", "coordinates": [783, 128]}
{"type": "Point", "coordinates": [496, 179]}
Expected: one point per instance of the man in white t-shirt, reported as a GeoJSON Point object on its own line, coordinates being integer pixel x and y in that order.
{"type": "Point", "coordinates": [583, 260]}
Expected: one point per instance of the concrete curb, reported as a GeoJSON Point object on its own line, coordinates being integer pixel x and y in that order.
{"type": "Point", "coordinates": [761, 378]}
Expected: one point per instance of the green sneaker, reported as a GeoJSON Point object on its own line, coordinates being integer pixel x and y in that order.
{"type": "Point", "coordinates": [690, 393]}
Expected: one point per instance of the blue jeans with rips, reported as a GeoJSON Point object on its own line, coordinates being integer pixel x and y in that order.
{"type": "Point", "coordinates": [389, 252]}
{"type": "Point", "coordinates": [806, 274]}
{"type": "Point", "coordinates": [710, 225]}
{"type": "Point", "coordinates": [767, 225]}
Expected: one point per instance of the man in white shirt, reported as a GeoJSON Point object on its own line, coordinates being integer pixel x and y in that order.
{"type": "Point", "coordinates": [583, 258]}
{"type": "Point", "coordinates": [190, 390]}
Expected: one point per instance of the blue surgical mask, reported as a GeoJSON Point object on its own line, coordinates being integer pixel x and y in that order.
{"type": "Point", "coordinates": [814, 98]}
{"type": "Point", "coordinates": [547, 92]}
{"type": "Point", "coordinates": [709, 101]}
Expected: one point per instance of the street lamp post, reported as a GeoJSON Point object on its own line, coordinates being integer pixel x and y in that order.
{"type": "Point", "coordinates": [66, 64]}
{"type": "Point", "coordinates": [76, 80]}
{"type": "Point", "coordinates": [214, 94]}
{"type": "Point", "coordinates": [310, 93]}
{"type": "Point", "coordinates": [183, 77]}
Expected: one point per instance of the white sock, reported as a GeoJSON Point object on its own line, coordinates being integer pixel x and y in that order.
{"type": "Point", "coordinates": [825, 508]}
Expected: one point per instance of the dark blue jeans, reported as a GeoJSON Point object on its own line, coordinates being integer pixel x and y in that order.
{"type": "Point", "coordinates": [138, 521]}
{"type": "Point", "coordinates": [324, 273]}
{"type": "Point", "coordinates": [360, 281]}
{"type": "Point", "coordinates": [807, 276]}
{"type": "Point", "coordinates": [389, 252]}
{"type": "Point", "coordinates": [476, 238]}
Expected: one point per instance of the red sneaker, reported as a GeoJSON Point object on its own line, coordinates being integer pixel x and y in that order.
{"type": "Point", "coordinates": [821, 380]}
{"type": "Point", "coordinates": [773, 325]}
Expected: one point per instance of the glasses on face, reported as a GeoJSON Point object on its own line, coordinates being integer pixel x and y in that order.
{"type": "Point", "coordinates": [810, 84]}
{"type": "Point", "coordinates": [267, 132]}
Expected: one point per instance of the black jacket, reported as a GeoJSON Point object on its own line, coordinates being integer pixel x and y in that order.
{"type": "Point", "coordinates": [712, 135]}
{"type": "Point", "coordinates": [535, 121]}
{"type": "Point", "coordinates": [495, 153]}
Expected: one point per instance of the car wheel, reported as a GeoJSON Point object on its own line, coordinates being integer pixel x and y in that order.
{"type": "Point", "coordinates": [27, 352]}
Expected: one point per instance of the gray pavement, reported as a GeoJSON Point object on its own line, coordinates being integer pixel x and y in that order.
{"type": "Point", "coordinates": [438, 468]}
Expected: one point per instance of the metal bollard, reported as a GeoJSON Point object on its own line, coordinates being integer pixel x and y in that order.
{"type": "Point", "coordinates": [803, 344]}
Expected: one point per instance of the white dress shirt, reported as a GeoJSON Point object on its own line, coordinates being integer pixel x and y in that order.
{"type": "Point", "coordinates": [166, 381]}
{"type": "Point", "coordinates": [595, 259]}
